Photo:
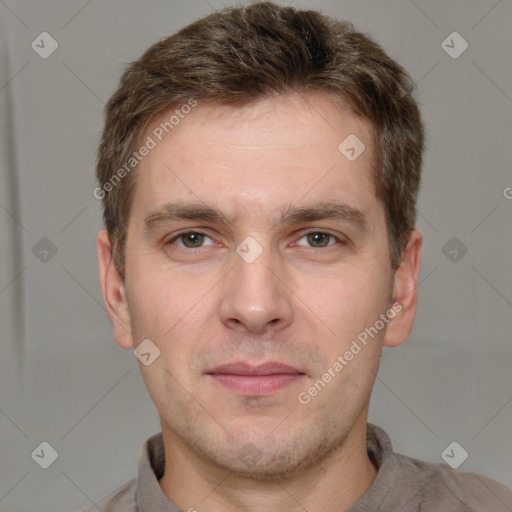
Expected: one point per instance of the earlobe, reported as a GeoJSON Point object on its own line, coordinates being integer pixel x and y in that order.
{"type": "Point", "coordinates": [114, 293]}
{"type": "Point", "coordinates": [405, 282]}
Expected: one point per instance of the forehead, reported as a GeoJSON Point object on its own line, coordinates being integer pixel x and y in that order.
{"type": "Point", "coordinates": [301, 113]}
{"type": "Point", "coordinates": [283, 149]}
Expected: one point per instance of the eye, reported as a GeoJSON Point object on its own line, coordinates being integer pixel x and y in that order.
{"type": "Point", "coordinates": [190, 240]}
{"type": "Point", "coordinates": [319, 239]}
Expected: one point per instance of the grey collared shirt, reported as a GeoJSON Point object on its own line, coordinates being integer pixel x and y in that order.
{"type": "Point", "coordinates": [403, 484]}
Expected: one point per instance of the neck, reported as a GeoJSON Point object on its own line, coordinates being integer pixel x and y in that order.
{"type": "Point", "coordinates": [333, 484]}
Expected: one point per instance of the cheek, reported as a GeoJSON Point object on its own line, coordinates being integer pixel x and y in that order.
{"type": "Point", "coordinates": [170, 310]}
{"type": "Point", "coordinates": [347, 301]}
{"type": "Point", "coordinates": [161, 302]}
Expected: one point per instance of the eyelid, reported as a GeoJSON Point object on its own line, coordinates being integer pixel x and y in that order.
{"type": "Point", "coordinates": [177, 236]}
{"type": "Point", "coordinates": [339, 239]}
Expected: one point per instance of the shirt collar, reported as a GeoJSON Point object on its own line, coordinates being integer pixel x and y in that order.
{"type": "Point", "coordinates": [149, 494]}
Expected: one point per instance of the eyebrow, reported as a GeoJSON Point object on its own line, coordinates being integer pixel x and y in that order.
{"type": "Point", "coordinates": [291, 214]}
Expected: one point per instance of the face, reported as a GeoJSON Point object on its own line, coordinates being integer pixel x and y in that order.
{"type": "Point", "coordinates": [256, 257]}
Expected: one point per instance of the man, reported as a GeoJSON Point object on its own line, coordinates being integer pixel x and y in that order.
{"type": "Point", "coordinates": [259, 172]}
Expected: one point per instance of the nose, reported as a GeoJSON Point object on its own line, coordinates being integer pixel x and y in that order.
{"type": "Point", "coordinates": [256, 296]}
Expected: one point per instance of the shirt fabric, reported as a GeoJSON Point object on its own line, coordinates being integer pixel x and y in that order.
{"type": "Point", "coordinates": [403, 484]}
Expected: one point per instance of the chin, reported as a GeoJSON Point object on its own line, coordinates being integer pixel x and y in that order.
{"type": "Point", "coordinates": [274, 459]}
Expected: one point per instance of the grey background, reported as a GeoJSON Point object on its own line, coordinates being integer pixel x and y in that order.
{"type": "Point", "coordinates": [63, 379]}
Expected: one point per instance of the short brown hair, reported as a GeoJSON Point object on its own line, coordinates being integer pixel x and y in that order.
{"type": "Point", "coordinates": [240, 54]}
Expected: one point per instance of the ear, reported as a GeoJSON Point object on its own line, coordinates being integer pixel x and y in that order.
{"type": "Point", "coordinates": [405, 296]}
{"type": "Point", "coordinates": [114, 294]}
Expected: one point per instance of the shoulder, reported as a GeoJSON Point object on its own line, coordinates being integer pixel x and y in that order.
{"type": "Point", "coordinates": [122, 499]}
{"type": "Point", "coordinates": [413, 485]}
{"type": "Point", "coordinates": [468, 492]}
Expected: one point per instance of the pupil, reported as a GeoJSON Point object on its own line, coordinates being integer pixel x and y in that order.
{"type": "Point", "coordinates": [193, 239]}
{"type": "Point", "coordinates": [317, 238]}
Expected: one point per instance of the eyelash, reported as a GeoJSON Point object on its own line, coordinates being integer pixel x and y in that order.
{"type": "Point", "coordinates": [184, 233]}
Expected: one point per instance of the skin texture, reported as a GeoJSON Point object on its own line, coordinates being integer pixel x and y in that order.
{"type": "Point", "coordinates": [302, 302]}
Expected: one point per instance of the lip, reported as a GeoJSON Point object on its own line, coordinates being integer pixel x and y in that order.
{"type": "Point", "coordinates": [243, 368]}
{"type": "Point", "coordinates": [255, 380]}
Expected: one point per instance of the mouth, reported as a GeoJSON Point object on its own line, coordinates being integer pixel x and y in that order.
{"type": "Point", "coordinates": [255, 380]}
